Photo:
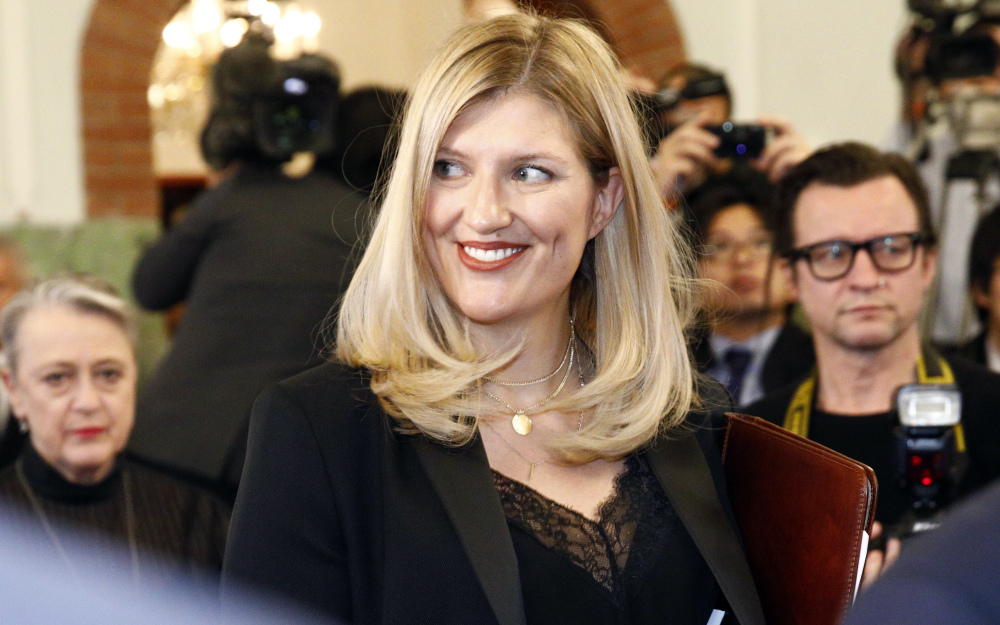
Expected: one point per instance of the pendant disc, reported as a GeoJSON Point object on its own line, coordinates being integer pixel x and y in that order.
{"type": "Point", "coordinates": [521, 424]}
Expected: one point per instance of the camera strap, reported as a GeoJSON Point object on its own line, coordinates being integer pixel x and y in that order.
{"type": "Point", "coordinates": [932, 368]}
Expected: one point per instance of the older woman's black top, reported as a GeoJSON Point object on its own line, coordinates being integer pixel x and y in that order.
{"type": "Point", "coordinates": [635, 564]}
{"type": "Point", "coordinates": [178, 529]}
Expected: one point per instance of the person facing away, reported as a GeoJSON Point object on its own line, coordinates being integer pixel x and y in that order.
{"type": "Point", "coordinates": [487, 447]}
{"type": "Point", "coordinates": [749, 345]}
{"type": "Point", "coordinates": [855, 227]}
{"type": "Point", "coordinates": [259, 261]}
{"type": "Point", "coordinates": [945, 576]}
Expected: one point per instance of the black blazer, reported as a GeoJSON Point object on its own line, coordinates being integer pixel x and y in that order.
{"type": "Point", "coordinates": [339, 512]}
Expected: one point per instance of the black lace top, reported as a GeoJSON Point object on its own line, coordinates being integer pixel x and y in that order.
{"type": "Point", "coordinates": [635, 564]}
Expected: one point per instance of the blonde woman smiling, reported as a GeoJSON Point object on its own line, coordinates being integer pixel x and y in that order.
{"type": "Point", "coordinates": [503, 438]}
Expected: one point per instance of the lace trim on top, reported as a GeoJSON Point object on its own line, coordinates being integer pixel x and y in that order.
{"type": "Point", "coordinates": [620, 547]}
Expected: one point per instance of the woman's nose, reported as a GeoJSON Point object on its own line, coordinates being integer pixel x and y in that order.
{"type": "Point", "coordinates": [87, 396]}
{"type": "Point", "coordinates": [486, 206]}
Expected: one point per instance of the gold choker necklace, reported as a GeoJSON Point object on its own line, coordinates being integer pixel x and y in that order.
{"type": "Point", "coordinates": [545, 378]}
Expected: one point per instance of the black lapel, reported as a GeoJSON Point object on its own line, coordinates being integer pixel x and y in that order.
{"type": "Point", "coordinates": [682, 471]}
{"type": "Point", "coordinates": [464, 482]}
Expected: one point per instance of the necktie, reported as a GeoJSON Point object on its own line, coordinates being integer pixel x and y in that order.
{"type": "Point", "coordinates": [737, 360]}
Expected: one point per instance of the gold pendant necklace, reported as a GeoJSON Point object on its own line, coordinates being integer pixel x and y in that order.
{"type": "Point", "coordinates": [521, 422]}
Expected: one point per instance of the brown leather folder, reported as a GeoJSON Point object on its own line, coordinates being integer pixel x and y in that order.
{"type": "Point", "coordinates": [802, 510]}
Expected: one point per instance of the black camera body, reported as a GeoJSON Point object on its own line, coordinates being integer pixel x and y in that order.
{"type": "Point", "coordinates": [298, 113]}
{"type": "Point", "coordinates": [265, 111]}
{"type": "Point", "coordinates": [964, 55]}
{"type": "Point", "coordinates": [739, 140]}
{"type": "Point", "coordinates": [956, 50]}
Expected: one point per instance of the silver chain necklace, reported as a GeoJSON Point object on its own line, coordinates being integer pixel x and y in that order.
{"type": "Point", "coordinates": [531, 465]}
{"type": "Point", "coordinates": [54, 537]}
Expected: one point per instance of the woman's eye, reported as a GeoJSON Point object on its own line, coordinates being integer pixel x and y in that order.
{"type": "Point", "coordinates": [446, 169]}
{"type": "Point", "coordinates": [531, 174]}
{"type": "Point", "coordinates": [56, 379]}
{"type": "Point", "coordinates": [110, 375]}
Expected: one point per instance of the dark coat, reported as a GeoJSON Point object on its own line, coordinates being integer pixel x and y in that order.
{"type": "Point", "coordinates": [975, 350]}
{"type": "Point", "coordinates": [945, 576]}
{"type": "Point", "coordinates": [260, 261]}
{"type": "Point", "coordinates": [339, 512]}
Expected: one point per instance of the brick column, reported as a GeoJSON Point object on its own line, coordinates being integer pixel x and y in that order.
{"type": "Point", "coordinates": [118, 50]}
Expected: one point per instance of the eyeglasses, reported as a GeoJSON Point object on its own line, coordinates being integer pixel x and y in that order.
{"type": "Point", "coordinates": [723, 251]}
{"type": "Point", "coordinates": [832, 260]}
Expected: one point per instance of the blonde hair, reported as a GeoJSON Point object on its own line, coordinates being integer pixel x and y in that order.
{"type": "Point", "coordinates": [631, 294]}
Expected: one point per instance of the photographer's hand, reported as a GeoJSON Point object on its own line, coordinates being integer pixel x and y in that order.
{"type": "Point", "coordinates": [684, 158]}
{"type": "Point", "coordinates": [787, 149]}
{"type": "Point", "coordinates": [879, 561]}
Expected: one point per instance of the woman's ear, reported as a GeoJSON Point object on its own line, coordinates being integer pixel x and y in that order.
{"type": "Point", "coordinates": [607, 201]}
{"type": "Point", "coordinates": [9, 384]}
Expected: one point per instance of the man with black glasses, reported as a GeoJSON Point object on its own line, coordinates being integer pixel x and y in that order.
{"type": "Point", "coordinates": [855, 227]}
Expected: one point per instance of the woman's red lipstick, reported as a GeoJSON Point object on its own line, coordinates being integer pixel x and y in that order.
{"type": "Point", "coordinates": [88, 432]}
{"type": "Point", "coordinates": [477, 264]}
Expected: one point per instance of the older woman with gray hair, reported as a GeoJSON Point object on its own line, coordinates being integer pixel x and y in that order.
{"type": "Point", "coordinates": [69, 368]}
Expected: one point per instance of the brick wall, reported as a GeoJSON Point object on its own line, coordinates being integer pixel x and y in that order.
{"type": "Point", "coordinates": [121, 41]}
{"type": "Point", "coordinates": [117, 55]}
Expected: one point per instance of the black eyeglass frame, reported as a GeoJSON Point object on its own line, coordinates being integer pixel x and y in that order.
{"type": "Point", "coordinates": [916, 240]}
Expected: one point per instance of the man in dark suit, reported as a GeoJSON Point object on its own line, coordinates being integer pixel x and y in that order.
{"type": "Point", "coordinates": [750, 344]}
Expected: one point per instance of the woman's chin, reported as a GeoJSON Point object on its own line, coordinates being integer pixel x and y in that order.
{"type": "Point", "coordinates": [87, 466]}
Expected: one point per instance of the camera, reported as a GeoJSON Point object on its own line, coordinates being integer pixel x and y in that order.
{"type": "Point", "coordinates": [960, 45]}
{"type": "Point", "coordinates": [927, 454]}
{"type": "Point", "coordinates": [965, 55]}
{"type": "Point", "coordinates": [265, 111]}
{"type": "Point", "coordinates": [298, 112]}
{"type": "Point", "coordinates": [739, 140]}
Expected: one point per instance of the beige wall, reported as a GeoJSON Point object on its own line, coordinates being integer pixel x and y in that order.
{"type": "Point", "coordinates": [384, 41]}
{"type": "Point", "coordinates": [826, 65]}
